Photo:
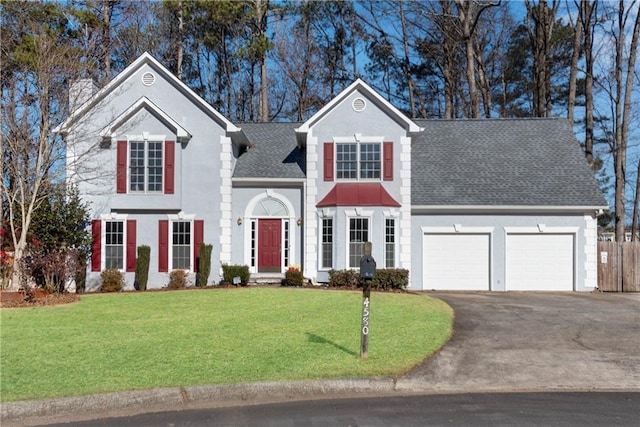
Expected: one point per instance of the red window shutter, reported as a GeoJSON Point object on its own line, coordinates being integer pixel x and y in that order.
{"type": "Point", "coordinates": [96, 245]}
{"type": "Point", "coordinates": [163, 246]}
{"type": "Point", "coordinates": [169, 166]}
{"type": "Point", "coordinates": [131, 245]}
{"type": "Point", "coordinates": [387, 165]}
{"type": "Point", "coordinates": [121, 165]}
{"type": "Point", "coordinates": [328, 161]}
{"type": "Point", "coordinates": [198, 239]}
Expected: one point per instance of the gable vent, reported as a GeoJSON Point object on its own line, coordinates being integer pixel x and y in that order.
{"type": "Point", "coordinates": [148, 79]}
{"type": "Point", "coordinates": [359, 104]}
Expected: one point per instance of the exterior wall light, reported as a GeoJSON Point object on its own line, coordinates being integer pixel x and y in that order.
{"type": "Point", "coordinates": [299, 222]}
{"type": "Point", "coordinates": [239, 221]}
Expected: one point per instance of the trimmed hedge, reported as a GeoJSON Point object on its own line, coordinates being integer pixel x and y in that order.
{"type": "Point", "coordinates": [231, 271]}
{"type": "Point", "coordinates": [204, 266]}
{"type": "Point", "coordinates": [386, 279]}
{"type": "Point", "coordinates": [142, 268]}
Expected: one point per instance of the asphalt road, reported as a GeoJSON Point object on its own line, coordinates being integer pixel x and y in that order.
{"type": "Point", "coordinates": [511, 409]}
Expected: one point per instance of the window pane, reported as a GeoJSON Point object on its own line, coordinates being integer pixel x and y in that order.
{"type": "Point", "coordinates": [346, 161]}
{"type": "Point", "coordinates": [154, 167]}
{"type": "Point", "coordinates": [114, 244]}
{"type": "Point", "coordinates": [390, 243]}
{"type": "Point", "coordinates": [136, 166]}
{"type": "Point", "coordinates": [327, 243]}
{"type": "Point", "coordinates": [370, 161]}
{"type": "Point", "coordinates": [181, 245]}
{"type": "Point", "coordinates": [358, 235]}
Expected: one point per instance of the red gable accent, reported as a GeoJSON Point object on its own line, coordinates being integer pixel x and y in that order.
{"type": "Point", "coordinates": [358, 194]}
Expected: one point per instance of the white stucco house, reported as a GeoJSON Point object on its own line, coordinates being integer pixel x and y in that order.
{"type": "Point", "coordinates": [504, 204]}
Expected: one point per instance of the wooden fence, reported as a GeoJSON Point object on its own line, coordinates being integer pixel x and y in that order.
{"type": "Point", "coordinates": [619, 266]}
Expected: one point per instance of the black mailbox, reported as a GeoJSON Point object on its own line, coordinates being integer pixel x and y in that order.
{"type": "Point", "coordinates": [367, 267]}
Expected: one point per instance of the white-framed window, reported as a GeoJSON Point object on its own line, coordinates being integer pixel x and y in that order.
{"type": "Point", "coordinates": [358, 235]}
{"type": "Point", "coordinates": [114, 241]}
{"type": "Point", "coordinates": [145, 166]}
{"type": "Point", "coordinates": [359, 160]}
{"type": "Point", "coordinates": [390, 243]}
{"type": "Point", "coordinates": [327, 243]}
{"type": "Point", "coordinates": [181, 244]}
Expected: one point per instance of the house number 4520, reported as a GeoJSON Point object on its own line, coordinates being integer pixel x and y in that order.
{"type": "Point", "coordinates": [365, 317]}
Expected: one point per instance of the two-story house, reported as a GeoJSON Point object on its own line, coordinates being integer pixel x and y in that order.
{"type": "Point", "coordinates": [462, 204]}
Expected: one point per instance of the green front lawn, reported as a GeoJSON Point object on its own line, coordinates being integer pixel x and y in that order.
{"type": "Point", "coordinates": [129, 341]}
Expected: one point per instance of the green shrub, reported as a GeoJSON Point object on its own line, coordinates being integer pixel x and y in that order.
{"type": "Point", "coordinates": [177, 279]}
{"type": "Point", "coordinates": [386, 279]}
{"type": "Point", "coordinates": [204, 266]}
{"type": "Point", "coordinates": [293, 277]}
{"type": "Point", "coordinates": [112, 280]}
{"type": "Point", "coordinates": [231, 271]}
{"type": "Point", "coordinates": [344, 279]}
{"type": "Point", "coordinates": [142, 268]}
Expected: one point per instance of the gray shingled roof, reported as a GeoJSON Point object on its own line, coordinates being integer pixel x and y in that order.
{"type": "Point", "coordinates": [485, 162]}
{"type": "Point", "coordinates": [522, 162]}
{"type": "Point", "coordinates": [274, 154]}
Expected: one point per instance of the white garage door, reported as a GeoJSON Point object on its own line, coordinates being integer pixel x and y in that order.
{"type": "Point", "coordinates": [540, 262]}
{"type": "Point", "coordinates": [456, 261]}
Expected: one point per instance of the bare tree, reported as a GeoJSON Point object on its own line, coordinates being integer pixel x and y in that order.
{"type": "Point", "coordinates": [543, 18]}
{"type": "Point", "coordinates": [39, 58]}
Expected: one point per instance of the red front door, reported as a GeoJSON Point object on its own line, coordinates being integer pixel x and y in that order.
{"type": "Point", "coordinates": [269, 241]}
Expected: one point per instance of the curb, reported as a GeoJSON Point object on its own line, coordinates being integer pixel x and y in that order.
{"type": "Point", "coordinates": [174, 398]}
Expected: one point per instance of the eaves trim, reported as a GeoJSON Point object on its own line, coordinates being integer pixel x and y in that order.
{"type": "Point", "coordinates": [125, 74]}
{"type": "Point", "coordinates": [505, 209]}
{"type": "Point", "coordinates": [145, 103]}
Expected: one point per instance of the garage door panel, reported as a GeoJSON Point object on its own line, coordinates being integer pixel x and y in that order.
{"type": "Point", "coordinates": [543, 262]}
{"type": "Point", "coordinates": [456, 261]}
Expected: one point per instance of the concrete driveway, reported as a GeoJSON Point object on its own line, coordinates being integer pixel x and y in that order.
{"type": "Point", "coordinates": [525, 341]}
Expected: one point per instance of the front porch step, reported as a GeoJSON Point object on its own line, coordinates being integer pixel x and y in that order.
{"type": "Point", "coordinates": [266, 279]}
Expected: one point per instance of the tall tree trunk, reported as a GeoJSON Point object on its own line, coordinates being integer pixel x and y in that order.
{"type": "Point", "coordinates": [587, 20]}
{"type": "Point", "coordinates": [180, 48]}
{"type": "Point", "coordinates": [406, 67]}
{"type": "Point", "coordinates": [107, 10]}
{"type": "Point", "coordinates": [573, 71]}
{"type": "Point", "coordinates": [261, 9]}
{"type": "Point", "coordinates": [623, 112]}
{"type": "Point", "coordinates": [465, 15]}
{"type": "Point", "coordinates": [544, 19]}
{"type": "Point", "coordinates": [636, 206]}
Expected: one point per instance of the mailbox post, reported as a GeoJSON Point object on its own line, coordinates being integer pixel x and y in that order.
{"type": "Point", "coordinates": [367, 272]}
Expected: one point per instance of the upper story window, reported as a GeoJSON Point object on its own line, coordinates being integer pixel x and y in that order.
{"type": "Point", "coordinates": [358, 161]}
{"type": "Point", "coordinates": [145, 166]}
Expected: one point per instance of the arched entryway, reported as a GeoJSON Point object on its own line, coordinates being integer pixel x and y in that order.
{"type": "Point", "coordinates": [270, 231]}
